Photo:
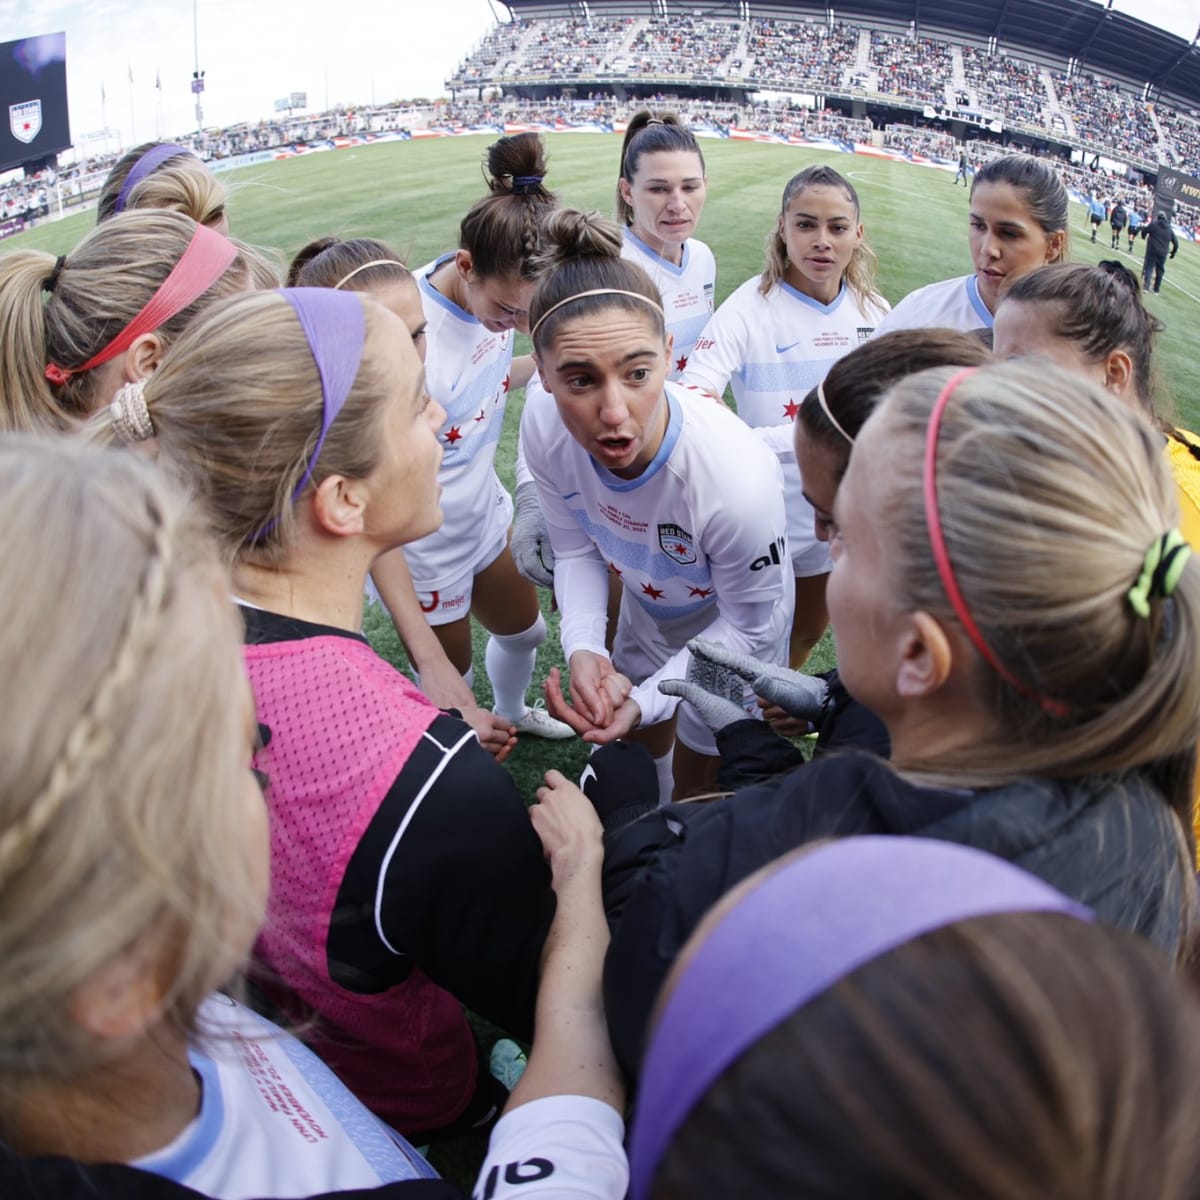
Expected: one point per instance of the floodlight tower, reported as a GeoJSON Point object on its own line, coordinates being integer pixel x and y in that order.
{"type": "Point", "coordinates": [197, 74]}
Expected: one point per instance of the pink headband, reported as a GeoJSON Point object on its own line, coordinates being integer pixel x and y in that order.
{"type": "Point", "coordinates": [941, 556]}
{"type": "Point", "coordinates": [205, 260]}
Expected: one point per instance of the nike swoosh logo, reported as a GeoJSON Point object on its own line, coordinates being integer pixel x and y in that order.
{"type": "Point", "coordinates": [589, 772]}
{"type": "Point", "coordinates": [785, 349]}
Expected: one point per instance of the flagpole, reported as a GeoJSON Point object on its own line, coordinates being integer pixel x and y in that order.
{"type": "Point", "coordinates": [132, 121]}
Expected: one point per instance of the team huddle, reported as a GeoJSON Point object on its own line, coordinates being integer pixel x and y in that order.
{"type": "Point", "coordinates": [254, 877]}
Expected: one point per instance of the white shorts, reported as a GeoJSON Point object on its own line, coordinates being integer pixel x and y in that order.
{"type": "Point", "coordinates": [446, 604]}
{"type": "Point", "coordinates": [642, 645]}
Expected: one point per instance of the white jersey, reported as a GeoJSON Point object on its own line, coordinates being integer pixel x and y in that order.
{"type": "Point", "coordinates": [565, 1147]}
{"type": "Point", "coordinates": [774, 350]}
{"type": "Point", "coordinates": [467, 373]}
{"type": "Point", "coordinates": [687, 291]}
{"type": "Point", "coordinates": [949, 304]}
{"type": "Point", "coordinates": [274, 1120]}
{"type": "Point", "coordinates": [698, 539]}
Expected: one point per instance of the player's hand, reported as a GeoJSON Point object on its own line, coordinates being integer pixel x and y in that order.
{"type": "Point", "coordinates": [610, 701]}
{"type": "Point", "coordinates": [782, 721]}
{"type": "Point", "coordinates": [798, 694]}
{"type": "Point", "coordinates": [530, 543]}
{"type": "Point", "coordinates": [569, 829]}
{"type": "Point", "coordinates": [597, 687]}
{"type": "Point", "coordinates": [496, 735]}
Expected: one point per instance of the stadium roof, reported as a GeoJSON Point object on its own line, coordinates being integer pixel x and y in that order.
{"type": "Point", "coordinates": [1102, 40]}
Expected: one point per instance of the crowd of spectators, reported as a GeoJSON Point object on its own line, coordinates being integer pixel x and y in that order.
{"type": "Point", "coordinates": [1108, 117]}
{"type": "Point", "coordinates": [806, 55]}
{"type": "Point", "coordinates": [570, 49]}
{"type": "Point", "coordinates": [926, 143]}
{"type": "Point", "coordinates": [916, 68]}
{"type": "Point", "coordinates": [1007, 86]}
{"type": "Point", "coordinates": [801, 55]}
{"type": "Point", "coordinates": [686, 46]}
{"type": "Point", "coordinates": [1183, 137]}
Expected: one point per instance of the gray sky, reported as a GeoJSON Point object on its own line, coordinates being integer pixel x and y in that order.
{"type": "Point", "coordinates": [253, 53]}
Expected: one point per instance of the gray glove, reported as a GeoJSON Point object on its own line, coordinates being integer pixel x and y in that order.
{"type": "Point", "coordinates": [530, 543]}
{"type": "Point", "coordinates": [800, 695]}
{"type": "Point", "coordinates": [714, 691]}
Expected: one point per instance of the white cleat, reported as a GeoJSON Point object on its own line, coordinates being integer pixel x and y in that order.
{"type": "Point", "coordinates": [537, 722]}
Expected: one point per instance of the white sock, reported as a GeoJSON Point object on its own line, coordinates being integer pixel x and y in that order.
{"type": "Point", "coordinates": [509, 659]}
{"type": "Point", "coordinates": [666, 777]}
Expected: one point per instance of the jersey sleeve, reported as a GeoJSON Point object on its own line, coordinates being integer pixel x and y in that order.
{"type": "Point", "coordinates": [560, 1147]}
{"type": "Point", "coordinates": [462, 885]}
{"type": "Point", "coordinates": [720, 350]}
{"type": "Point", "coordinates": [580, 572]}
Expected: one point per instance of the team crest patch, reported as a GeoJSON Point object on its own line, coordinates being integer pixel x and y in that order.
{"type": "Point", "coordinates": [677, 544]}
{"type": "Point", "coordinates": [25, 120]}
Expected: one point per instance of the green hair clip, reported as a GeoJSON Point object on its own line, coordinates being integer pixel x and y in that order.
{"type": "Point", "coordinates": [1161, 569]}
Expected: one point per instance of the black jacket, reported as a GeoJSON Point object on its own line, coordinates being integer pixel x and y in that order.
{"type": "Point", "coordinates": [1111, 843]}
{"type": "Point", "coordinates": [1160, 236]}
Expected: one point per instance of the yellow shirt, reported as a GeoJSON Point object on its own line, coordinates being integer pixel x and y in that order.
{"type": "Point", "coordinates": [1185, 470]}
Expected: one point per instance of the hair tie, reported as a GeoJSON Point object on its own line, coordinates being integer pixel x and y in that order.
{"type": "Point", "coordinates": [524, 184]}
{"type": "Point", "coordinates": [336, 330]}
{"type": "Point", "coordinates": [828, 412]}
{"type": "Point", "coordinates": [375, 262]}
{"type": "Point", "coordinates": [1161, 571]}
{"type": "Point", "coordinates": [941, 557]}
{"type": "Point", "coordinates": [146, 165]}
{"type": "Point", "coordinates": [51, 280]}
{"type": "Point", "coordinates": [207, 257]}
{"type": "Point", "coordinates": [130, 415]}
{"type": "Point", "coordinates": [597, 292]}
{"type": "Point", "coordinates": [805, 927]}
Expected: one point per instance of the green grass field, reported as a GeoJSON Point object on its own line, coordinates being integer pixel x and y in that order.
{"type": "Point", "coordinates": [412, 195]}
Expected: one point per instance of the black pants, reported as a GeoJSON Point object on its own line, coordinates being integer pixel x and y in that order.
{"type": "Point", "coordinates": [1155, 265]}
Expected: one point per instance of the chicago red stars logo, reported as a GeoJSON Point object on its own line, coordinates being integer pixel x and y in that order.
{"type": "Point", "coordinates": [677, 544]}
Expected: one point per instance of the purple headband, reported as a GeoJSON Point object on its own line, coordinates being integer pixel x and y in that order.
{"type": "Point", "coordinates": [804, 928]}
{"type": "Point", "coordinates": [146, 165]}
{"type": "Point", "coordinates": [336, 330]}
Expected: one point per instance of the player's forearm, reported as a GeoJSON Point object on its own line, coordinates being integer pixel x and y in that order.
{"type": "Point", "coordinates": [394, 582]}
{"type": "Point", "coordinates": [571, 1052]}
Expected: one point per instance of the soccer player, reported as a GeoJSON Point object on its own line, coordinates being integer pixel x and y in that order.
{"type": "Point", "coordinates": [776, 337]}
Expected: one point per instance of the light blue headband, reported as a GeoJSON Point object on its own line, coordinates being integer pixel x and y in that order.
{"type": "Point", "coordinates": [800, 931]}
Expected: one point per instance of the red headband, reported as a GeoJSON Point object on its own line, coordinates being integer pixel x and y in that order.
{"type": "Point", "coordinates": [941, 556]}
{"type": "Point", "coordinates": [205, 260]}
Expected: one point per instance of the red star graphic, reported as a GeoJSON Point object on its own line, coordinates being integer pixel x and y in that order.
{"type": "Point", "coordinates": [454, 435]}
{"type": "Point", "coordinates": [480, 417]}
{"type": "Point", "coordinates": [615, 570]}
{"type": "Point", "coordinates": [681, 363]}
{"type": "Point", "coordinates": [790, 409]}
{"type": "Point", "coordinates": [504, 385]}
{"type": "Point", "coordinates": [648, 589]}
{"type": "Point", "coordinates": [682, 550]}
{"type": "Point", "coordinates": [701, 592]}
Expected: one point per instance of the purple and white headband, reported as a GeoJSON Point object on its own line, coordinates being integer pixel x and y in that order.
{"type": "Point", "coordinates": [805, 927]}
